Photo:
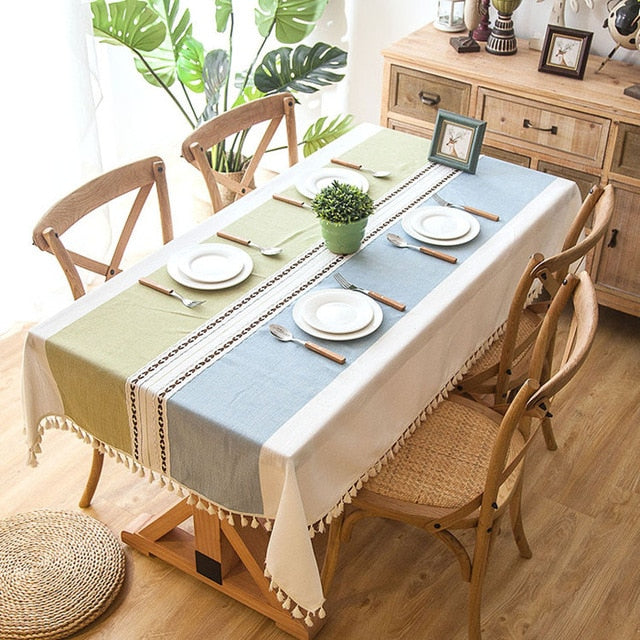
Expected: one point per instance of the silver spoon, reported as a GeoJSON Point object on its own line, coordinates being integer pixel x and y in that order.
{"type": "Point", "coordinates": [399, 242]}
{"type": "Point", "coordinates": [359, 167]}
{"type": "Point", "coordinates": [170, 292]}
{"type": "Point", "coordinates": [265, 251]}
{"type": "Point", "coordinates": [282, 333]}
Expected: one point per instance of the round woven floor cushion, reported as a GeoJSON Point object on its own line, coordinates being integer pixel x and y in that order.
{"type": "Point", "coordinates": [59, 571]}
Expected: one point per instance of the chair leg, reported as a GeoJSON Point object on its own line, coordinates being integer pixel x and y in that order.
{"type": "Point", "coordinates": [549, 438]}
{"type": "Point", "coordinates": [331, 554]}
{"type": "Point", "coordinates": [92, 481]}
{"type": "Point", "coordinates": [515, 512]}
{"type": "Point", "coordinates": [480, 561]}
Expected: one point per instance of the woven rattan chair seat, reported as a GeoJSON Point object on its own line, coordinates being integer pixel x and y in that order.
{"type": "Point", "coordinates": [491, 357]}
{"type": "Point", "coordinates": [59, 571]}
{"type": "Point", "coordinates": [444, 463]}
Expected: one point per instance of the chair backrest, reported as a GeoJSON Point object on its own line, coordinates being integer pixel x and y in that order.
{"type": "Point", "coordinates": [578, 290]}
{"type": "Point", "coordinates": [551, 272]}
{"type": "Point", "coordinates": [141, 175]}
{"type": "Point", "coordinates": [534, 395]}
{"type": "Point", "coordinates": [271, 109]}
{"type": "Point", "coordinates": [600, 201]}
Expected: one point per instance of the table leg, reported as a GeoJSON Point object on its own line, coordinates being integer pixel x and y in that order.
{"type": "Point", "coordinates": [229, 559]}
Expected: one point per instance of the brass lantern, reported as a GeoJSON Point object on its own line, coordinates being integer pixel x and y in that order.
{"type": "Point", "coordinates": [450, 15]}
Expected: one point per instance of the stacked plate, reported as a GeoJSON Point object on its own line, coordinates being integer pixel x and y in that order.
{"type": "Point", "coordinates": [210, 266]}
{"type": "Point", "coordinates": [311, 185]}
{"type": "Point", "coordinates": [337, 314]}
{"type": "Point", "coordinates": [440, 225]}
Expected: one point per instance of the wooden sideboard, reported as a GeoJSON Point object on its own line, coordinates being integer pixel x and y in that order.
{"type": "Point", "coordinates": [586, 130]}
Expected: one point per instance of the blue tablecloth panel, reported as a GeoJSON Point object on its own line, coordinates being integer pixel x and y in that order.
{"type": "Point", "coordinates": [220, 419]}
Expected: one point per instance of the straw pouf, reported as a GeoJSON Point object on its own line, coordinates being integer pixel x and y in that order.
{"type": "Point", "coordinates": [59, 571]}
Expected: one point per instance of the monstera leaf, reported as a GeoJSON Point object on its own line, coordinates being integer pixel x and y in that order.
{"type": "Point", "coordinates": [306, 69]}
{"type": "Point", "coordinates": [293, 20]}
{"type": "Point", "coordinates": [190, 64]}
{"type": "Point", "coordinates": [130, 23]}
{"type": "Point", "coordinates": [319, 133]}
{"type": "Point", "coordinates": [163, 60]}
{"type": "Point", "coordinates": [214, 73]}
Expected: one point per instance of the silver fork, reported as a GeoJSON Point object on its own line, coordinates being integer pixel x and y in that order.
{"type": "Point", "coordinates": [345, 284]}
{"type": "Point", "coordinates": [170, 292]}
{"type": "Point", "coordinates": [478, 212]}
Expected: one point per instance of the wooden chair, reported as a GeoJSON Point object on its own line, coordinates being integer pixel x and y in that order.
{"type": "Point", "coordinates": [504, 366]}
{"type": "Point", "coordinates": [142, 175]}
{"type": "Point", "coordinates": [463, 467]}
{"type": "Point", "coordinates": [235, 122]}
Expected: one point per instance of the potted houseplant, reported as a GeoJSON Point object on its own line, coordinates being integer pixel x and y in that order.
{"type": "Point", "coordinates": [343, 210]}
{"type": "Point", "coordinates": [203, 84]}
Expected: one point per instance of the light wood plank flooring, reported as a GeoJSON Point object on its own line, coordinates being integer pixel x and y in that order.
{"type": "Point", "coordinates": [581, 513]}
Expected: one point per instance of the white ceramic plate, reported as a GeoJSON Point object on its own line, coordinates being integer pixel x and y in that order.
{"type": "Point", "coordinates": [411, 224]}
{"type": "Point", "coordinates": [336, 311]}
{"type": "Point", "coordinates": [441, 223]}
{"type": "Point", "coordinates": [186, 257]}
{"type": "Point", "coordinates": [309, 186]}
{"type": "Point", "coordinates": [211, 262]}
{"type": "Point", "coordinates": [318, 309]}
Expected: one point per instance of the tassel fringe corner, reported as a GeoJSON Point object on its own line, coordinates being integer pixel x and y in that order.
{"type": "Point", "coordinates": [296, 610]}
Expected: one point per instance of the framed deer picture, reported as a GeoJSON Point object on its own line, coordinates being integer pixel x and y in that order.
{"type": "Point", "coordinates": [565, 51]}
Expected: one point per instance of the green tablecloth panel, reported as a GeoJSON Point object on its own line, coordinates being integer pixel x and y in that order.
{"type": "Point", "coordinates": [114, 325]}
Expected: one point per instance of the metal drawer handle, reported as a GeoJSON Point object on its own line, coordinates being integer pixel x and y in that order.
{"type": "Point", "coordinates": [612, 242]}
{"type": "Point", "coordinates": [528, 125]}
{"type": "Point", "coordinates": [431, 99]}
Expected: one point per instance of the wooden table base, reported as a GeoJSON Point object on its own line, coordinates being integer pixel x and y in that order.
{"type": "Point", "coordinates": [226, 558]}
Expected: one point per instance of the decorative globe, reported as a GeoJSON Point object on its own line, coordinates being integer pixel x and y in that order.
{"type": "Point", "coordinates": [623, 23]}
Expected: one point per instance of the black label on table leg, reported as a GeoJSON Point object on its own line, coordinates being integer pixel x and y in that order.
{"type": "Point", "coordinates": [208, 567]}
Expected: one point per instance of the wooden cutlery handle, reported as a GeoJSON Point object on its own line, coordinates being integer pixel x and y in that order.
{"type": "Point", "coordinates": [344, 163]}
{"type": "Point", "coordinates": [336, 357]}
{"type": "Point", "coordinates": [482, 214]}
{"type": "Point", "coordinates": [438, 254]}
{"type": "Point", "coordinates": [388, 301]}
{"type": "Point", "coordinates": [154, 285]}
{"type": "Point", "coordinates": [228, 236]}
{"type": "Point", "coordinates": [297, 203]}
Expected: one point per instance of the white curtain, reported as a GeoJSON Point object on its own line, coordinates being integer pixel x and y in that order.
{"type": "Point", "coordinates": [49, 141]}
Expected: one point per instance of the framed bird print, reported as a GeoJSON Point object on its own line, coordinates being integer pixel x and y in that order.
{"type": "Point", "coordinates": [565, 51]}
{"type": "Point", "coordinates": [457, 140]}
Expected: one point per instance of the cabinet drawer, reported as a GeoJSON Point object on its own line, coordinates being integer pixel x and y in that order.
{"type": "Point", "coordinates": [420, 95]}
{"type": "Point", "coordinates": [627, 151]}
{"type": "Point", "coordinates": [578, 137]}
{"type": "Point", "coordinates": [508, 156]}
{"type": "Point", "coordinates": [584, 180]}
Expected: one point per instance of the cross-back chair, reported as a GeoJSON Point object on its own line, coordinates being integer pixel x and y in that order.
{"type": "Point", "coordinates": [463, 466]}
{"type": "Point", "coordinates": [142, 176]}
{"type": "Point", "coordinates": [235, 122]}
{"type": "Point", "coordinates": [504, 366]}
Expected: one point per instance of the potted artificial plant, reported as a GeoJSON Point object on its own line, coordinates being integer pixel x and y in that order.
{"type": "Point", "coordinates": [167, 55]}
{"type": "Point", "coordinates": [343, 210]}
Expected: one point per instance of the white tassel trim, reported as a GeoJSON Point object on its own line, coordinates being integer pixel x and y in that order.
{"type": "Point", "coordinates": [165, 482]}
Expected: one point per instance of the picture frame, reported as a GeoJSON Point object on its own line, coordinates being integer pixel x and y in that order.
{"type": "Point", "coordinates": [565, 51]}
{"type": "Point", "coordinates": [457, 140]}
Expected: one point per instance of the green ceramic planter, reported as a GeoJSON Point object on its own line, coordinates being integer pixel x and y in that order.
{"type": "Point", "coordinates": [343, 238]}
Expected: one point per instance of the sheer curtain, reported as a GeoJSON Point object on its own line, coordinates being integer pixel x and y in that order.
{"type": "Point", "coordinates": [50, 143]}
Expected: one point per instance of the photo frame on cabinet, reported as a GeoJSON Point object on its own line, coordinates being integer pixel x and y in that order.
{"type": "Point", "coordinates": [565, 51]}
{"type": "Point", "coordinates": [457, 140]}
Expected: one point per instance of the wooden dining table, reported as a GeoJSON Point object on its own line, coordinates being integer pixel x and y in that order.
{"type": "Point", "coordinates": [263, 441]}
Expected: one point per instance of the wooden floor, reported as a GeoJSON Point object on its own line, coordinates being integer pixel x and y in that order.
{"type": "Point", "coordinates": [581, 513]}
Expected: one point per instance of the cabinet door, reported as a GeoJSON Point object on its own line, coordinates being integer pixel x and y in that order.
{"type": "Point", "coordinates": [617, 268]}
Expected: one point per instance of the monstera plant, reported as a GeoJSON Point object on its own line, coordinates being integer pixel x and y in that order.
{"type": "Point", "coordinates": [203, 83]}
